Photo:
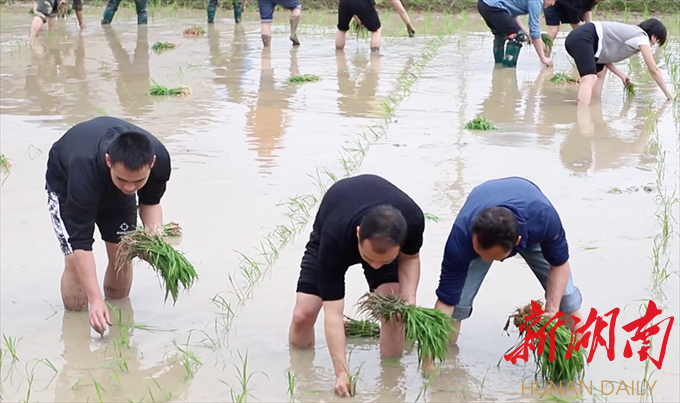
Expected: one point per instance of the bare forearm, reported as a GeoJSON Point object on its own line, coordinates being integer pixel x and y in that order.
{"type": "Point", "coordinates": [616, 71]}
{"type": "Point", "coordinates": [538, 45]}
{"type": "Point", "coordinates": [658, 77]}
{"type": "Point", "coordinates": [335, 337]}
{"type": "Point", "coordinates": [522, 27]}
{"type": "Point", "coordinates": [399, 8]}
{"type": "Point", "coordinates": [152, 216]}
{"type": "Point", "coordinates": [557, 281]}
{"type": "Point", "coordinates": [409, 277]}
{"type": "Point", "coordinates": [440, 306]}
{"type": "Point", "coordinates": [87, 273]}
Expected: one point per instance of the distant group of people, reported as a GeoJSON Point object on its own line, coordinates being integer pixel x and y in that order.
{"type": "Point", "coordinates": [594, 45]}
{"type": "Point", "coordinates": [362, 11]}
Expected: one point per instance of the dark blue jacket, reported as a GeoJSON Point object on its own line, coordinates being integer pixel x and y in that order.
{"type": "Point", "coordinates": [539, 223]}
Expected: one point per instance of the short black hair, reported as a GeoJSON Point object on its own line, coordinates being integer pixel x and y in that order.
{"type": "Point", "coordinates": [496, 226]}
{"type": "Point", "coordinates": [384, 226]}
{"type": "Point", "coordinates": [652, 26]}
{"type": "Point", "coordinates": [134, 150]}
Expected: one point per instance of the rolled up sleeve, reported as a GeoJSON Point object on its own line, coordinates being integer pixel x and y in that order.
{"type": "Point", "coordinates": [535, 9]}
{"type": "Point", "coordinates": [554, 245]}
{"type": "Point", "coordinates": [152, 193]}
{"type": "Point", "coordinates": [458, 253]}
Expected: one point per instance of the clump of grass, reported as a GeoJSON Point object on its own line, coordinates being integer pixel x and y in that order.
{"type": "Point", "coordinates": [630, 89]}
{"type": "Point", "coordinates": [194, 31]}
{"type": "Point", "coordinates": [561, 368]}
{"type": "Point", "coordinates": [171, 265]}
{"type": "Point", "coordinates": [355, 329]}
{"type": "Point", "coordinates": [5, 163]}
{"type": "Point", "coordinates": [160, 90]}
{"type": "Point", "coordinates": [359, 29]}
{"type": "Point", "coordinates": [429, 328]}
{"type": "Point", "coordinates": [304, 78]}
{"type": "Point", "coordinates": [480, 123]}
{"type": "Point", "coordinates": [161, 46]}
{"type": "Point", "coordinates": [548, 43]}
{"type": "Point", "coordinates": [170, 230]}
{"type": "Point", "coordinates": [561, 78]}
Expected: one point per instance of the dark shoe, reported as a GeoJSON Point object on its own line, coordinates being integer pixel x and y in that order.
{"type": "Point", "coordinates": [108, 16]}
{"type": "Point", "coordinates": [211, 15]}
{"type": "Point", "coordinates": [238, 12]}
{"type": "Point", "coordinates": [512, 50]}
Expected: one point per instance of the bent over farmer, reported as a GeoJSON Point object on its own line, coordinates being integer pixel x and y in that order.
{"type": "Point", "coordinates": [500, 219]}
{"type": "Point", "coordinates": [502, 18]}
{"type": "Point", "coordinates": [93, 173]}
{"type": "Point", "coordinates": [363, 219]}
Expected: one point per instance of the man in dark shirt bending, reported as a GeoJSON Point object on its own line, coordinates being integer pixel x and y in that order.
{"type": "Point", "coordinates": [93, 173]}
{"type": "Point", "coordinates": [363, 219]}
{"type": "Point", "coordinates": [501, 218]}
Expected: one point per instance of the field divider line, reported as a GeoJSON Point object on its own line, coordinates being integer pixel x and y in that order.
{"type": "Point", "coordinates": [300, 207]}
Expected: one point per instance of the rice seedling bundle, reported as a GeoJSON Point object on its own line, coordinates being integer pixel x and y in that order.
{"type": "Point", "coordinates": [480, 123]}
{"type": "Point", "coordinates": [356, 329]}
{"type": "Point", "coordinates": [630, 89]}
{"type": "Point", "coordinates": [562, 78]}
{"type": "Point", "coordinates": [430, 328]}
{"type": "Point", "coordinates": [5, 163]}
{"type": "Point", "coordinates": [359, 29]}
{"type": "Point", "coordinates": [160, 90]}
{"type": "Point", "coordinates": [172, 266]}
{"type": "Point", "coordinates": [170, 230]}
{"type": "Point", "coordinates": [160, 46]}
{"type": "Point", "coordinates": [548, 44]}
{"type": "Point", "coordinates": [304, 78]}
{"type": "Point", "coordinates": [561, 368]}
{"type": "Point", "coordinates": [194, 31]}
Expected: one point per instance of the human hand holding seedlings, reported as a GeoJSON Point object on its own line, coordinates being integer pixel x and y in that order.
{"type": "Point", "coordinates": [335, 336]}
{"type": "Point", "coordinates": [99, 316]}
{"type": "Point", "coordinates": [409, 276]}
{"type": "Point", "coordinates": [341, 387]}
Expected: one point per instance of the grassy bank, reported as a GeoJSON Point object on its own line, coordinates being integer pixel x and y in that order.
{"type": "Point", "coordinates": [635, 6]}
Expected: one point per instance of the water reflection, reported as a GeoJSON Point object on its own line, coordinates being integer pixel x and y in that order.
{"type": "Point", "coordinates": [593, 145]}
{"type": "Point", "coordinates": [230, 67]}
{"type": "Point", "coordinates": [503, 99]}
{"type": "Point", "coordinates": [268, 119]}
{"type": "Point", "coordinates": [357, 95]}
{"type": "Point", "coordinates": [123, 376]}
{"type": "Point", "coordinates": [131, 76]}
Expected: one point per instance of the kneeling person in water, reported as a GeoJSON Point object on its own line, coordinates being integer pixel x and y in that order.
{"type": "Point", "coordinates": [363, 219]}
{"type": "Point", "coordinates": [93, 173]}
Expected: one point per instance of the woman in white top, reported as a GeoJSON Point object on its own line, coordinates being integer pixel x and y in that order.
{"type": "Point", "coordinates": [596, 46]}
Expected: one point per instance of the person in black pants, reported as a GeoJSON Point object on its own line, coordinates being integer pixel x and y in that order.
{"type": "Point", "coordinates": [365, 13]}
{"type": "Point", "coordinates": [573, 12]}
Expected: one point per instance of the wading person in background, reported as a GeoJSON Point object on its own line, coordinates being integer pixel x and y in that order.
{"type": "Point", "coordinates": [364, 219]}
{"type": "Point", "coordinates": [573, 12]}
{"type": "Point", "coordinates": [93, 173]}
{"type": "Point", "coordinates": [502, 18]}
{"type": "Point", "coordinates": [596, 46]}
{"type": "Point", "coordinates": [44, 11]}
{"type": "Point", "coordinates": [239, 6]}
{"type": "Point", "coordinates": [365, 13]}
{"type": "Point", "coordinates": [112, 7]}
{"type": "Point", "coordinates": [266, 8]}
{"type": "Point", "coordinates": [78, 8]}
{"type": "Point", "coordinates": [502, 218]}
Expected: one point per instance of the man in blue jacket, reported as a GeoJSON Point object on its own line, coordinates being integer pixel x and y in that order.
{"type": "Point", "coordinates": [501, 218]}
{"type": "Point", "coordinates": [502, 18]}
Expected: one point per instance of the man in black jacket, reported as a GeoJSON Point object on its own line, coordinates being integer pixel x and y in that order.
{"type": "Point", "coordinates": [93, 173]}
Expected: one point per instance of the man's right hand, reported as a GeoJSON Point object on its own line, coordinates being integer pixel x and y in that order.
{"type": "Point", "coordinates": [547, 61]}
{"type": "Point", "coordinates": [410, 30]}
{"type": "Point", "coordinates": [342, 385]}
{"type": "Point", "coordinates": [99, 316]}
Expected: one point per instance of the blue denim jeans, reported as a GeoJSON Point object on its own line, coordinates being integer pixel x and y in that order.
{"type": "Point", "coordinates": [267, 7]}
{"type": "Point", "coordinates": [532, 255]}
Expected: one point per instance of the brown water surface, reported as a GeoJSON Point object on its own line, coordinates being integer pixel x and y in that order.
{"type": "Point", "coordinates": [246, 139]}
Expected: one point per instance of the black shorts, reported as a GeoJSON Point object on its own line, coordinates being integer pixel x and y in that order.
{"type": "Point", "coordinates": [113, 220]}
{"type": "Point", "coordinates": [581, 44]}
{"type": "Point", "coordinates": [562, 13]}
{"type": "Point", "coordinates": [499, 21]}
{"type": "Point", "coordinates": [308, 282]}
{"type": "Point", "coordinates": [363, 9]}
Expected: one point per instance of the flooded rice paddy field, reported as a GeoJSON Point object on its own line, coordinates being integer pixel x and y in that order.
{"type": "Point", "coordinates": [247, 140]}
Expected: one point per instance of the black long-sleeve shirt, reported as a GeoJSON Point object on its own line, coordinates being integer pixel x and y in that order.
{"type": "Point", "coordinates": [77, 172]}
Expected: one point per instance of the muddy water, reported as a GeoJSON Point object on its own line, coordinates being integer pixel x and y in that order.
{"type": "Point", "coordinates": [247, 139]}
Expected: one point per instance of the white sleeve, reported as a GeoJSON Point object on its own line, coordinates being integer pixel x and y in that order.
{"type": "Point", "coordinates": [637, 41]}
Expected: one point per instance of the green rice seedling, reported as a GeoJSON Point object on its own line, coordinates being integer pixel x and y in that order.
{"type": "Point", "coordinates": [11, 344]}
{"type": "Point", "coordinates": [98, 389]}
{"type": "Point", "coordinates": [5, 163]}
{"type": "Point", "coordinates": [630, 89]}
{"type": "Point", "coordinates": [480, 123]}
{"type": "Point", "coordinates": [194, 31]}
{"type": "Point", "coordinates": [161, 46]}
{"type": "Point", "coordinates": [159, 90]}
{"type": "Point", "coordinates": [188, 359]}
{"type": "Point", "coordinates": [170, 230]}
{"type": "Point", "coordinates": [243, 378]}
{"type": "Point", "coordinates": [173, 268]}
{"type": "Point", "coordinates": [355, 329]}
{"type": "Point", "coordinates": [432, 217]}
{"type": "Point", "coordinates": [304, 78]}
{"type": "Point", "coordinates": [561, 368]}
{"type": "Point", "coordinates": [359, 29]}
{"type": "Point", "coordinates": [561, 78]}
{"type": "Point", "coordinates": [547, 41]}
{"type": "Point", "coordinates": [290, 377]}
{"type": "Point", "coordinates": [430, 328]}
